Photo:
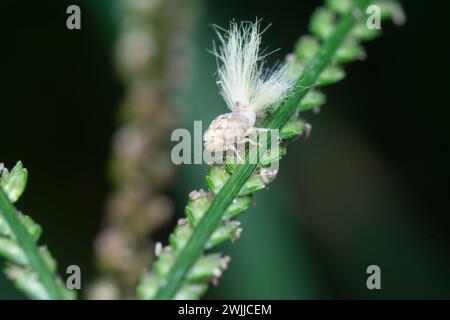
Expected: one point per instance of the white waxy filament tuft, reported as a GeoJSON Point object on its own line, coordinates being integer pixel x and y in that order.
{"type": "Point", "coordinates": [244, 83]}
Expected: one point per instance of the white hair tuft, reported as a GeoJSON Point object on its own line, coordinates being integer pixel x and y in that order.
{"type": "Point", "coordinates": [244, 84]}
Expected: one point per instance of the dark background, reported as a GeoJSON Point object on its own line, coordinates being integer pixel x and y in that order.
{"type": "Point", "coordinates": [369, 187]}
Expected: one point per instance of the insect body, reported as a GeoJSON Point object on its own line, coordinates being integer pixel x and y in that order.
{"type": "Point", "coordinates": [245, 86]}
{"type": "Point", "coordinates": [229, 129]}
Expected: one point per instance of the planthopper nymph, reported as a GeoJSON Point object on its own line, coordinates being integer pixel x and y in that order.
{"type": "Point", "coordinates": [245, 84]}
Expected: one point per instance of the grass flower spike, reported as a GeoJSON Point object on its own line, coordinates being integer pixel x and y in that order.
{"type": "Point", "coordinates": [29, 265]}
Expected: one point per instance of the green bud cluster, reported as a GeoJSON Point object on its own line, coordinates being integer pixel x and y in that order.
{"type": "Point", "coordinates": [17, 267]}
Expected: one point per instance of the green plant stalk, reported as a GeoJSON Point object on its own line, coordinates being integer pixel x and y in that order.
{"type": "Point", "coordinates": [30, 248]}
{"type": "Point", "coordinates": [230, 190]}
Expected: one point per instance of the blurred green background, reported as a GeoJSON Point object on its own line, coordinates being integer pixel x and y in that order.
{"type": "Point", "coordinates": [369, 187]}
